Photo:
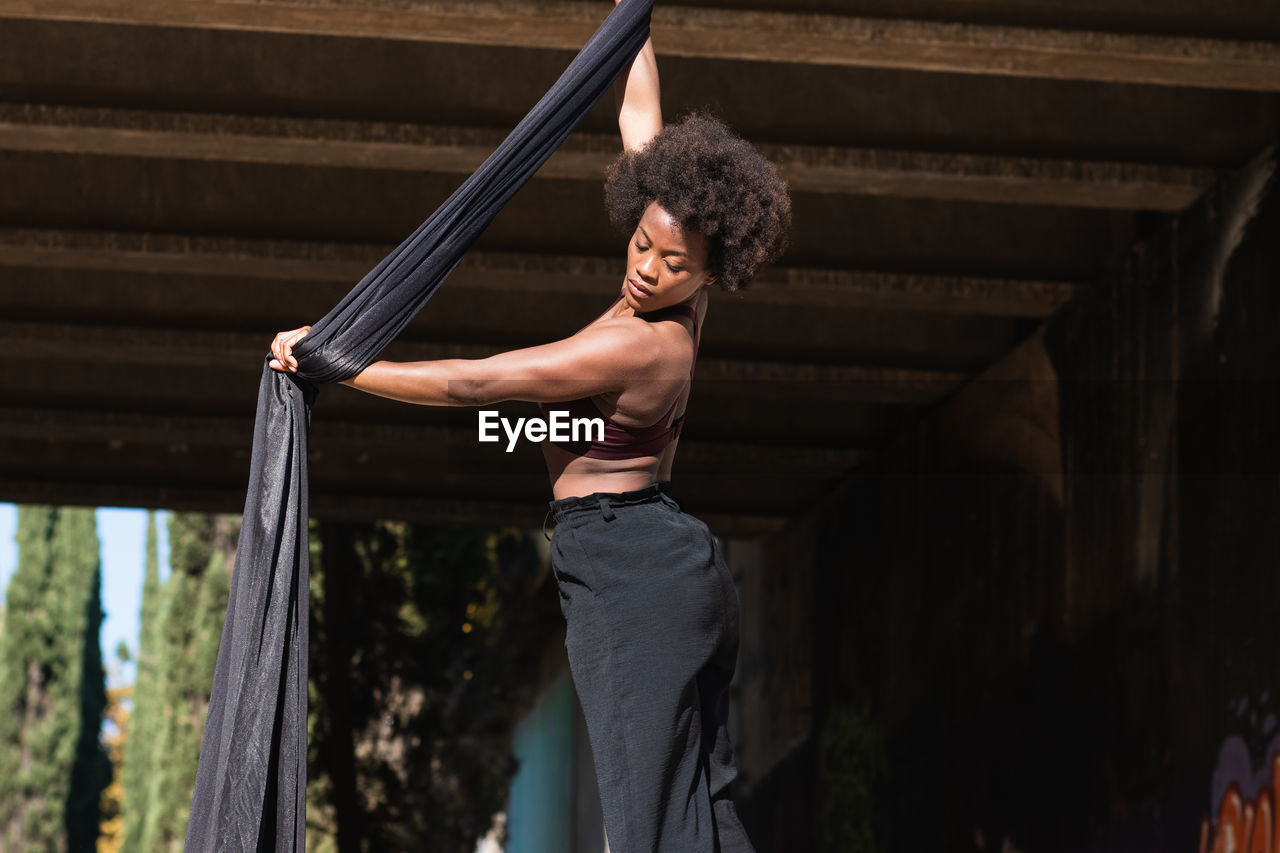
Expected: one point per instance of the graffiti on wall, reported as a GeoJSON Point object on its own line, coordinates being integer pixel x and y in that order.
{"type": "Point", "coordinates": [1243, 794]}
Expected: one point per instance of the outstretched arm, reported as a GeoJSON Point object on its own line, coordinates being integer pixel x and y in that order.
{"type": "Point", "coordinates": [639, 99]}
{"type": "Point", "coordinates": [594, 361]}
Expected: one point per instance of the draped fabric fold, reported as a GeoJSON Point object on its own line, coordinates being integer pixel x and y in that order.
{"type": "Point", "coordinates": [250, 791]}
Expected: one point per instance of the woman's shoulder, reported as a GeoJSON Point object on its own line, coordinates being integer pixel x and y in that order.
{"type": "Point", "coordinates": [642, 344]}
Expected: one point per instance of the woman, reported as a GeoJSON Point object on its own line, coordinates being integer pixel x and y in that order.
{"type": "Point", "coordinates": [650, 608]}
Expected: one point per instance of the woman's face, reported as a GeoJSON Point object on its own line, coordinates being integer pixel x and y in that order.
{"type": "Point", "coordinates": [665, 263]}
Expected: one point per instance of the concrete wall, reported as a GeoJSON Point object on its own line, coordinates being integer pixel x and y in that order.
{"type": "Point", "coordinates": [1045, 617]}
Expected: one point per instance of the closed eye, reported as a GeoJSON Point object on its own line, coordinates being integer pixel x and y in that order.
{"type": "Point", "coordinates": [642, 248]}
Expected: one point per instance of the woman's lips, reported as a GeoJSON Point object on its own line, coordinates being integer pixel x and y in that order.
{"type": "Point", "coordinates": [637, 290]}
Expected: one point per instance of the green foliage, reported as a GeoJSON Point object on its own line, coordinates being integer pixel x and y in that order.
{"type": "Point", "coordinates": [139, 736]}
{"type": "Point", "coordinates": [411, 730]}
{"type": "Point", "coordinates": [409, 727]}
{"type": "Point", "coordinates": [851, 761]}
{"type": "Point", "coordinates": [52, 686]}
{"type": "Point", "coordinates": [182, 623]}
{"type": "Point", "coordinates": [91, 773]}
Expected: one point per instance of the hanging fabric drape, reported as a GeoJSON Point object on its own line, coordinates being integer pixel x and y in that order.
{"type": "Point", "coordinates": [250, 792]}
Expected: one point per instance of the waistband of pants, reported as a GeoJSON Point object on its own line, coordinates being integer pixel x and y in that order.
{"type": "Point", "coordinates": [604, 503]}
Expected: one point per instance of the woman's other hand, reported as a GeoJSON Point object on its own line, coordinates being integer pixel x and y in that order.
{"type": "Point", "coordinates": [282, 348]}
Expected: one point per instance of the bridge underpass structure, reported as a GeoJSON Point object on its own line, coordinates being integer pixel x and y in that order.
{"type": "Point", "coordinates": [183, 179]}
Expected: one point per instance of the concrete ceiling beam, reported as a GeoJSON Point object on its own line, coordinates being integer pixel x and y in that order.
{"type": "Point", "coordinates": [341, 144]}
{"type": "Point", "coordinates": [419, 440]}
{"type": "Point", "coordinates": [169, 348]}
{"type": "Point", "coordinates": [299, 262]}
{"type": "Point", "coordinates": [334, 505]}
{"type": "Point", "coordinates": [773, 37]}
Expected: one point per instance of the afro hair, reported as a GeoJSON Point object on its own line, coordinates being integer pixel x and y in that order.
{"type": "Point", "coordinates": [710, 180]}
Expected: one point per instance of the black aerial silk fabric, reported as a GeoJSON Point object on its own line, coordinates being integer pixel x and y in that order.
{"type": "Point", "coordinates": [250, 792]}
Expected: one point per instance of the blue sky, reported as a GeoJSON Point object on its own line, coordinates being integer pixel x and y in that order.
{"type": "Point", "coordinates": [123, 534]}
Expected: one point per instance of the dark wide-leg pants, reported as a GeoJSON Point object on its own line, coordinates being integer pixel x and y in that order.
{"type": "Point", "coordinates": [652, 620]}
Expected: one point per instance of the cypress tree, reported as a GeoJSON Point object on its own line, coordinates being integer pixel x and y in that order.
{"type": "Point", "coordinates": [183, 620]}
{"type": "Point", "coordinates": [91, 772]}
{"type": "Point", "coordinates": [139, 747]}
{"type": "Point", "coordinates": [52, 686]}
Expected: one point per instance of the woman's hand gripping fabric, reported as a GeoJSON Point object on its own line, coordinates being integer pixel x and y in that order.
{"type": "Point", "coordinates": [282, 348]}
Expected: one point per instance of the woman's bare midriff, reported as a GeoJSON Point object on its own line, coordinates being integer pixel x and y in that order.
{"type": "Point", "coordinates": [577, 476]}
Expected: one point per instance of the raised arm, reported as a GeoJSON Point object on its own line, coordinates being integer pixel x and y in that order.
{"type": "Point", "coordinates": [639, 99]}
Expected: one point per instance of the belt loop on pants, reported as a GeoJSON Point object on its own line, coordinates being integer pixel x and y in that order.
{"type": "Point", "coordinates": [545, 519]}
{"type": "Point", "coordinates": [606, 509]}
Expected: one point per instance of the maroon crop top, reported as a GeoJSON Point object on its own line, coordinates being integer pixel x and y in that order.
{"type": "Point", "coordinates": [621, 442]}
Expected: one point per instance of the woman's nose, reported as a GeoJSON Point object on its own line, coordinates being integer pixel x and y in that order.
{"type": "Point", "coordinates": [644, 268]}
